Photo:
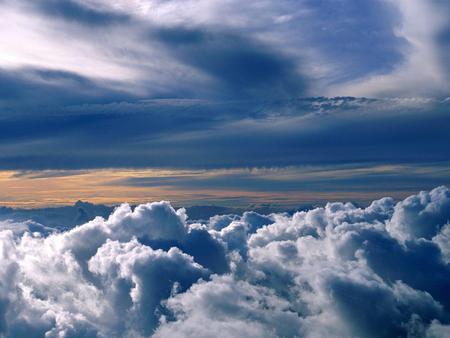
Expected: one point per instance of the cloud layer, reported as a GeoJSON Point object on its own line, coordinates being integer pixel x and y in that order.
{"type": "Point", "coordinates": [336, 271]}
{"type": "Point", "coordinates": [224, 134]}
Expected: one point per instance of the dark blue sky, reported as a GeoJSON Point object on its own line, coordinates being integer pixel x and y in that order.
{"type": "Point", "coordinates": [90, 84]}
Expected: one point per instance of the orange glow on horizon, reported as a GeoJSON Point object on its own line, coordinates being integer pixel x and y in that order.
{"type": "Point", "coordinates": [56, 188]}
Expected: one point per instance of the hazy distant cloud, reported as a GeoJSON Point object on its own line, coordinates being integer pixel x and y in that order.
{"type": "Point", "coordinates": [335, 271]}
{"type": "Point", "coordinates": [362, 178]}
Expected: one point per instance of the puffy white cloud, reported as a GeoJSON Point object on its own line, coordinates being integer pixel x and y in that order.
{"type": "Point", "coordinates": [155, 220]}
{"type": "Point", "coordinates": [421, 216]}
{"type": "Point", "coordinates": [334, 271]}
{"type": "Point", "coordinates": [231, 308]}
{"type": "Point", "coordinates": [144, 277]}
{"type": "Point", "coordinates": [86, 281]}
{"type": "Point", "coordinates": [442, 239]}
{"type": "Point", "coordinates": [437, 330]}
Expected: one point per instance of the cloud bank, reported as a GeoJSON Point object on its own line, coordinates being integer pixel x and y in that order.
{"type": "Point", "coordinates": [334, 271]}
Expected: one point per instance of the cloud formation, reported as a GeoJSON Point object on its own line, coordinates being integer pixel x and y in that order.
{"type": "Point", "coordinates": [335, 271]}
{"type": "Point", "coordinates": [381, 48]}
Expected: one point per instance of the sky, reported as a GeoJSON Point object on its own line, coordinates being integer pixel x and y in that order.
{"type": "Point", "coordinates": [224, 168]}
{"type": "Point", "coordinates": [222, 102]}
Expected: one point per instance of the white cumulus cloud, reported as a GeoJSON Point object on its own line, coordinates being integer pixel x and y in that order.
{"type": "Point", "coordinates": [332, 271]}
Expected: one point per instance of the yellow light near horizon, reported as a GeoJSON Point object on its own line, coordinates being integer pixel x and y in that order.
{"type": "Point", "coordinates": [32, 189]}
{"type": "Point", "coordinates": [53, 188]}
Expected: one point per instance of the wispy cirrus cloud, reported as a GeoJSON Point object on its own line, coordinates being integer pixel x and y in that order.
{"type": "Point", "coordinates": [334, 48]}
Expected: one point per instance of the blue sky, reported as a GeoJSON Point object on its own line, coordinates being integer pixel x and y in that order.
{"type": "Point", "coordinates": [213, 85]}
